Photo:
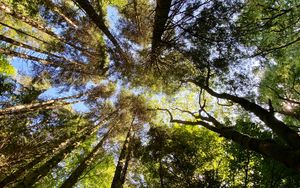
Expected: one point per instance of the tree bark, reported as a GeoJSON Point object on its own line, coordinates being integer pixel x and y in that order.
{"type": "Point", "coordinates": [120, 172]}
{"type": "Point", "coordinates": [31, 178]}
{"type": "Point", "coordinates": [281, 129]}
{"type": "Point", "coordinates": [98, 20]}
{"type": "Point", "coordinates": [20, 44]}
{"type": "Point", "coordinates": [73, 178]}
{"type": "Point", "coordinates": [41, 28]}
{"type": "Point", "coordinates": [50, 104]}
{"type": "Point", "coordinates": [160, 19]}
{"type": "Point", "coordinates": [75, 67]}
{"type": "Point", "coordinates": [267, 147]}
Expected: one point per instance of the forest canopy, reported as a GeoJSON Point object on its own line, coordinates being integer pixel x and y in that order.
{"type": "Point", "coordinates": [144, 93]}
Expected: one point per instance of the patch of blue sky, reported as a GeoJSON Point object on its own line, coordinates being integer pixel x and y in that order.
{"type": "Point", "coordinates": [80, 107]}
{"type": "Point", "coordinates": [22, 66]}
{"type": "Point", "coordinates": [113, 21]}
{"type": "Point", "coordinates": [26, 66]}
{"type": "Point", "coordinates": [113, 17]}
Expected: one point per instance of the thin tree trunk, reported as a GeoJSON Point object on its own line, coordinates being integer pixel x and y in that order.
{"type": "Point", "coordinates": [81, 67]}
{"type": "Point", "coordinates": [16, 43]}
{"type": "Point", "coordinates": [25, 19]}
{"type": "Point", "coordinates": [98, 20]}
{"type": "Point", "coordinates": [68, 67]}
{"type": "Point", "coordinates": [161, 174]}
{"type": "Point", "coordinates": [19, 44]}
{"type": "Point", "coordinates": [17, 174]}
{"type": "Point", "coordinates": [73, 178]}
{"type": "Point", "coordinates": [50, 104]}
{"type": "Point", "coordinates": [60, 12]}
{"type": "Point", "coordinates": [119, 177]}
{"type": "Point", "coordinates": [127, 160]}
{"type": "Point", "coordinates": [41, 28]}
{"type": "Point", "coordinates": [247, 169]}
{"type": "Point", "coordinates": [31, 178]}
{"type": "Point", "coordinates": [22, 171]}
{"type": "Point", "coordinates": [24, 33]}
{"type": "Point", "coordinates": [272, 175]}
{"type": "Point", "coordinates": [28, 57]}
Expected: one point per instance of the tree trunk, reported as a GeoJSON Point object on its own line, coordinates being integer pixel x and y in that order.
{"type": "Point", "coordinates": [73, 178]}
{"type": "Point", "coordinates": [60, 12]}
{"type": "Point", "coordinates": [161, 174]}
{"type": "Point", "coordinates": [119, 176]}
{"type": "Point", "coordinates": [161, 16]}
{"type": "Point", "coordinates": [247, 169]}
{"type": "Point", "coordinates": [83, 69]}
{"type": "Point", "coordinates": [50, 55]}
{"type": "Point", "coordinates": [25, 19]}
{"type": "Point", "coordinates": [24, 33]}
{"type": "Point", "coordinates": [98, 20]}
{"type": "Point", "coordinates": [267, 147]}
{"type": "Point", "coordinates": [50, 104]}
{"type": "Point", "coordinates": [127, 160]}
{"type": "Point", "coordinates": [19, 44]}
{"type": "Point", "coordinates": [31, 178]}
{"type": "Point", "coordinates": [17, 174]}
{"type": "Point", "coordinates": [41, 28]}
{"type": "Point", "coordinates": [22, 171]}
{"type": "Point", "coordinates": [282, 130]}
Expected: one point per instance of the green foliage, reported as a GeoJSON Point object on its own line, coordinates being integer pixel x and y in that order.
{"type": "Point", "coordinates": [183, 156]}
{"type": "Point", "coordinates": [118, 3]}
{"type": "Point", "coordinates": [5, 67]}
{"type": "Point", "coordinates": [100, 173]}
{"type": "Point", "coordinates": [264, 23]}
{"type": "Point", "coordinates": [281, 84]}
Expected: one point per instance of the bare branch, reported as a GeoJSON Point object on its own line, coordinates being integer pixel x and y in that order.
{"type": "Point", "coordinates": [189, 112]}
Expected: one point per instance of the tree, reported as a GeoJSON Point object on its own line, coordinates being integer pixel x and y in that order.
{"type": "Point", "coordinates": [72, 180]}
{"type": "Point", "coordinates": [152, 88]}
{"type": "Point", "coordinates": [183, 156]}
{"type": "Point", "coordinates": [226, 53]}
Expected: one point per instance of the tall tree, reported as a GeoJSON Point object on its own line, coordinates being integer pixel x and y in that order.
{"type": "Point", "coordinates": [73, 178]}
{"type": "Point", "coordinates": [124, 157]}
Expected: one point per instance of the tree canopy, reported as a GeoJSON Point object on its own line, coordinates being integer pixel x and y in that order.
{"type": "Point", "coordinates": [140, 93]}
